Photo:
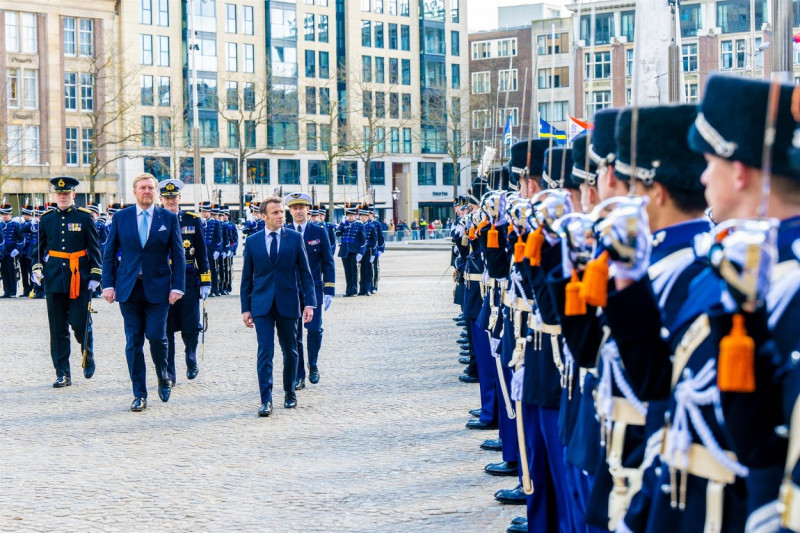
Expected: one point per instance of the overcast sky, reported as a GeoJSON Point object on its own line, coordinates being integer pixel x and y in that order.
{"type": "Point", "coordinates": [482, 14]}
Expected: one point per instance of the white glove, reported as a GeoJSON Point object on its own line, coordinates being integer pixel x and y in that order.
{"type": "Point", "coordinates": [516, 384]}
{"type": "Point", "coordinates": [372, 259]}
{"type": "Point", "coordinates": [216, 256]}
{"type": "Point", "coordinates": [328, 299]}
{"type": "Point", "coordinates": [93, 284]}
{"type": "Point", "coordinates": [36, 276]}
{"type": "Point", "coordinates": [14, 252]}
{"type": "Point", "coordinates": [205, 290]}
{"type": "Point", "coordinates": [458, 231]}
{"type": "Point", "coordinates": [358, 258]}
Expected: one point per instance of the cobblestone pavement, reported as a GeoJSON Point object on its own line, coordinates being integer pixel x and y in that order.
{"type": "Point", "coordinates": [378, 445]}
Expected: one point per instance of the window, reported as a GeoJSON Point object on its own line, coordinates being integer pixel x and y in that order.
{"type": "Point", "coordinates": [481, 82]}
{"type": "Point", "coordinates": [249, 99]}
{"type": "Point", "coordinates": [347, 173]}
{"type": "Point", "coordinates": [394, 105]}
{"type": "Point", "coordinates": [689, 57]}
{"type": "Point", "coordinates": [318, 173]}
{"type": "Point", "coordinates": [12, 33]}
{"type": "Point", "coordinates": [759, 55]}
{"type": "Point", "coordinates": [508, 80]}
{"type": "Point", "coordinates": [147, 90]}
{"type": "Point", "coordinates": [311, 100]}
{"type": "Point", "coordinates": [309, 27]}
{"type": "Point", "coordinates": [159, 167]}
{"type": "Point", "coordinates": [68, 25]}
{"type": "Point", "coordinates": [324, 101]}
{"type": "Point", "coordinates": [690, 20]}
{"type": "Point", "coordinates": [507, 47]}
{"type": "Point", "coordinates": [447, 173]}
{"type": "Point", "coordinates": [283, 135]}
{"type": "Point", "coordinates": [247, 18]}
{"type": "Point", "coordinates": [690, 90]}
{"type": "Point", "coordinates": [380, 104]}
{"type": "Point", "coordinates": [233, 57]}
{"type": "Point", "coordinates": [366, 104]}
{"type": "Point", "coordinates": [455, 43]}
{"type": "Point", "coordinates": [741, 53]}
{"type": "Point", "coordinates": [406, 107]}
{"type": "Point", "coordinates": [205, 16]}
{"type": "Point", "coordinates": [86, 38]}
{"type": "Point", "coordinates": [406, 64]}
{"type": "Point", "coordinates": [404, 8]}
{"type": "Point", "coordinates": [324, 137]}
{"type": "Point", "coordinates": [311, 137]}
{"type": "Point", "coordinates": [380, 145]}
{"type": "Point", "coordinates": [627, 18]}
{"type": "Point", "coordinates": [163, 12]}
{"type": "Point", "coordinates": [406, 140]}
{"type": "Point", "coordinates": [258, 170]}
{"type": "Point", "coordinates": [596, 101]}
{"type": "Point", "coordinates": [163, 51]}
{"type": "Point", "coordinates": [392, 36]}
{"type": "Point", "coordinates": [600, 68]}
{"type": "Point", "coordinates": [394, 135]}
{"type": "Point", "coordinates": [455, 76]}
{"type": "Point", "coordinates": [603, 29]}
{"type": "Point", "coordinates": [87, 92]}
{"type": "Point", "coordinates": [454, 11]}
{"type": "Point", "coordinates": [71, 146]}
{"type": "Point", "coordinates": [29, 36]}
{"type": "Point", "coordinates": [734, 15]}
{"type": "Point", "coordinates": [87, 146]}
{"type": "Point", "coordinates": [547, 45]}
{"type": "Point", "coordinates": [366, 68]}
{"type": "Point", "coordinates": [232, 95]}
{"type": "Point", "coordinates": [392, 9]}
{"type": "Point", "coordinates": [433, 41]}
{"type": "Point", "coordinates": [379, 35]}
{"type": "Point", "coordinates": [366, 33]}
{"type": "Point", "coordinates": [324, 68]}
{"type": "Point", "coordinates": [481, 50]}
{"type": "Point", "coordinates": [481, 119]}
{"type": "Point", "coordinates": [283, 23]}
{"type": "Point", "coordinates": [146, 12]}
{"type": "Point", "coordinates": [249, 59]}
{"type": "Point", "coordinates": [289, 171]}
{"type": "Point", "coordinates": [365, 6]}
{"type": "Point", "coordinates": [12, 87]}
{"type": "Point", "coordinates": [378, 6]}
{"type": "Point", "coordinates": [379, 70]}
{"type": "Point", "coordinates": [426, 173]}
{"type": "Point", "coordinates": [311, 67]}
{"type": "Point", "coordinates": [148, 131]}
{"type": "Point", "coordinates": [377, 169]}
{"type": "Point", "coordinates": [558, 113]}
{"type": "Point", "coordinates": [70, 90]}
{"type": "Point", "coordinates": [230, 18]}
{"type": "Point", "coordinates": [226, 170]}
{"type": "Point", "coordinates": [432, 10]}
{"type": "Point", "coordinates": [187, 171]}
{"type": "Point", "coordinates": [394, 74]}
{"type": "Point", "coordinates": [629, 62]}
{"type": "Point", "coordinates": [147, 49]}
{"type": "Point", "coordinates": [164, 132]}
{"type": "Point", "coordinates": [209, 133]}
{"type": "Point", "coordinates": [503, 114]}
{"type": "Point", "coordinates": [30, 89]}
{"type": "Point", "coordinates": [322, 28]}
{"type": "Point", "coordinates": [233, 134]}
{"type": "Point", "coordinates": [164, 97]}
{"type": "Point", "coordinates": [405, 37]}
{"type": "Point", "coordinates": [559, 75]}
{"type": "Point", "coordinates": [727, 54]}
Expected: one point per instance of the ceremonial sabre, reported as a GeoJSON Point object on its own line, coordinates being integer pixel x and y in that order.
{"type": "Point", "coordinates": [203, 331]}
{"type": "Point", "coordinates": [88, 331]}
{"type": "Point", "coordinates": [518, 362]}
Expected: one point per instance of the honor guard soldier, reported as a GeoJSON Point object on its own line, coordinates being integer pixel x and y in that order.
{"type": "Point", "coordinates": [323, 271]}
{"type": "Point", "coordinates": [25, 262]}
{"type": "Point", "coordinates": [72, 271]}
{"type": "Point", "coordinates": [351, 248]}
{"type": "Point", "coordinates": [368, 255]}
{"type": "Point", "coordinates": [33, 250]}
{"type": "Point", "coordinates": [12, 235]}
{"type": "Point", "coordinates": [254, 224]}
{"type": "Point", "coordinates": [184, 315]}
{"type": "Point", "coordinates": [329, 227]}
{"type": "Point", "coordinates": [102, 232]}
{"type": "Point", "coordinates": [233, 243]}
{"type": "Point", "coordinates": [213, 236]}
{"type": "Point", "coordinates": [380, 248]}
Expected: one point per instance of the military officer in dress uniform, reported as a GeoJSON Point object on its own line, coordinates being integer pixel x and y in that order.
{"type": "Point", "coordinates": [329, 227]}
{"type": "Point", "coordinates": [12, 234]}
{"type": "Point", "coordinates": [380, 248]}
{"type": "Point", "coordinates": [368, 256]}
{"type": "Point", "coordinates": [184, 315]}
{"type": "Point", "coordinates": [213, 235]}
{"type": "Point", "coordinates": [33, 249]}
{"type": "Point", "coordinates": [25, 256]}
{"type": "Point", "coordinates": [352, 248]}
{"type": "Point", "coordinates": [102, 232]}
{"type": "Point", "coordinates": [72, 271]}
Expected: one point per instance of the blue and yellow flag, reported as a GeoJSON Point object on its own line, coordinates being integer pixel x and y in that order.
{"type": "Point", "coordinates": [547, 131]}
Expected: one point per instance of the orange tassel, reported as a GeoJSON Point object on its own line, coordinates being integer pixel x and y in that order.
{"type": "Point", "coordinates": [510, 229]}
{"type": "Point", "coordinates": [483, 224]}
{"type": "Point", "coordinates": [533, 246]}
{"type": "Point", "coordinates": [519, 250]}
{"type": "Point", "coordinates": [492, 238]}
{"type": "Point", "coordinates": [574, 304]}
{"type": "Point", "coordinates": [594, 288]}
{"type": "Point", "coordinates": [735, 368]}
{"type": "Point", "coordinates": [471, 234]}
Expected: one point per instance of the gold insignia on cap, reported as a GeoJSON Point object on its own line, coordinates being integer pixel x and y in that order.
{"type": "Point", "coordinates": [295, 195]}
{"type": "Point", "coordinates": [170, 186]}
{"type": "Point", "coordinates": [60, 183]}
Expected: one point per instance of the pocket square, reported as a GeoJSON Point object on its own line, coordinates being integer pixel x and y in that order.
{"type": "Point", "coordinates": [162, 228]}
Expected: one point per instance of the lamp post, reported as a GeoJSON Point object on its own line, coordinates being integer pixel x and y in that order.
{"type": "Point", "coordinates": [395, 197]}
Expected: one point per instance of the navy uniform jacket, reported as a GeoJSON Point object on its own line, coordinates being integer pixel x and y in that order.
{"type": "Point", "coordinates": [153, 261]}
{"type": "Point", "coordinates": [69, 231]}
{"type": "Point", "coordinates": [381, 246]}
{"type": "Point", "coordinates": [353, 238]}
{"type": "Point", "coordinates": [320, 258]}
{"type": "Point", "coordinates": [331, 229]}
{"type": "Point", "coordinates": [371, 235]}
{"type": "Point", "coordinates": [32, 241]}
{"type": "Point", "coordinates": [12, 233]}
{"type": "Point", "coordinates": [194, 246]}
{"type": "Point", "coordinates": [26, 228]}
{"type": "Point", "coordinates": [102, 232]}
{"type": "Point", "coordinates": [213, 235]}
{"type": "Point", "coordinates": [234, 237]}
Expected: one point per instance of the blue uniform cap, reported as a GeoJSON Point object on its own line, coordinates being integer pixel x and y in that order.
{"type": "Point", "coordinates": [603, 144]}
{"type": "Point", "coordinates": [64, 184]}
{"type": "Point", "coordinates": [519, 158]}
{"type": "Point", "coordinates": [5, 209]}
{"type": "Point", "coordinates": [557, 169]}
{"type": "Point", "coordinates": [580, 171]}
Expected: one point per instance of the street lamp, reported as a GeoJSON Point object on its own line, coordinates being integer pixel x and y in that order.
{"type": "Point", "coordinates": [395, 197]}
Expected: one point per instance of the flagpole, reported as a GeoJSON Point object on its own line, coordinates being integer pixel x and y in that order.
{"type": "Point", "coordinates": [521, 114]}
{"type": "Point", "coordinates": [552, 99]}
{"type": "Point", "coordinates": [508, 91]}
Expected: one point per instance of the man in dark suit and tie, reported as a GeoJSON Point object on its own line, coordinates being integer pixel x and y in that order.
{"type": "Point", "coordinates": [323, 270]}
{"type": "Point", "coordinates": [145, 282]}
{"type": "Point", "coordinates": [274, 259]}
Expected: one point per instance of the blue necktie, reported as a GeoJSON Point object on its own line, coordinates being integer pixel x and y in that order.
{"type": "Point", "coordinates": [273, 246]}
{"type": "Point", "coordinates": [143, 229]}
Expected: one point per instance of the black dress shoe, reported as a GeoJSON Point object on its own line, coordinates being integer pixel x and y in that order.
{"type": "Point", "coordinates": [513, 496]}
{"type": "Point", "coordinates": [463, 343]}
{"type": "Point", "coordinates": [475, 423]}
{"type": "Point", "coordinates": [502, 469]}
{"type": "Point", "coordinates": [139, 404]}
{"type": "Point", "coordinates": [313, 375]}
{"type": "Point", "coordinates": [521, 527]}
{"type": "Point", "coordinates": [88, 370]}
{"type": "Point", "coordinates": [266, 409]}
{"type": "Point", "coordinates": [493, 445]}
{"type": "Point", "coordinates": [459, 317]}
{"type": "Point", "coordinates": [475, 412]}
{"type": "Point", "coordinates": [464, 353]}
{"type": "Point", "coordinates": [164, 389]}
{"type": "Point", "coordinates": [300, 384]}
{"type": "Point", "coordinates": [191, 373]}
{"type": "Point", "coordinates": [463, 360]}
{"type": "Point", "coordinates": [520, 520]}
{"type": "Point", "coordinates": [468, 379]}
{"type": "Point", "coordinates": [290, 401]}
{"type": "Point", "coordinates": [464, 335]}
{"type": "Point", "coordinates": [461, 323]}
{"type": "Point", "coordinates": [63, 381]}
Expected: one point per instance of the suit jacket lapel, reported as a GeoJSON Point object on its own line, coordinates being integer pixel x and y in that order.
{"type": "Point", "coordinates": [151, 231]}
{"type": "Point", "coordinates": [283, 243]}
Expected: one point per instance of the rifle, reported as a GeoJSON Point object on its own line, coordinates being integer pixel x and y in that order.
{"type": "Point", "coordinates": [87, 332]}
{"type": "Point", "coordinates": [203, 332]}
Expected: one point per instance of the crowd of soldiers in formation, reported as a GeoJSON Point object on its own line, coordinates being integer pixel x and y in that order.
{"type": "Point", "coordinates": [630, 309]}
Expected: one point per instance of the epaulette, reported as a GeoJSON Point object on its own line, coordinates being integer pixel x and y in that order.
{"type": "Point", "coordinates": [84, 210]}
{"type": "Point", "coordinates": [192, 214]}
{"type": "Point", "coordinates": [47, 213]}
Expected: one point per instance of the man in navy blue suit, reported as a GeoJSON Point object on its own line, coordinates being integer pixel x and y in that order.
{"type": "Point", "coordinates": [144, 282]}
{"type": "Point", "coordinates": [274, 273]}
{"type": "Point", "coordinates": [323, 270]}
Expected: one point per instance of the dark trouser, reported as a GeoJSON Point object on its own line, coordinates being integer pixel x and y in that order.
{"type": "Point", "coordinates": [184, 316]}
{"type": "Point", "coordinates": [8, 271]}
{"type": "Point", "coordinates": [222, 280]}
{"type": "Point", "coordinates": [212, 263]}
{"type": "Point", "coordinates": [314, 338]}
{"type": "Point", "coordinates": [25, 265]}
{"type": "Point", "coordinates": [287, 337]}
{"type": "Point", "coordinates": [144, 320]}
{"type": "Point", "coordinates": [487, 374]}
{"type": "Point", "coordinates": [229, 260]}
{"type": "Point", "coordinates": [422, 233]}
{"type": "Point", "coordinates": [63, 313]}
{"type": "Point", "coordinates": [366, 273]}
{"type": "Point", "coordinates": [376, 273]}
{"type": "Point", "coordinates": [350, 273]}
